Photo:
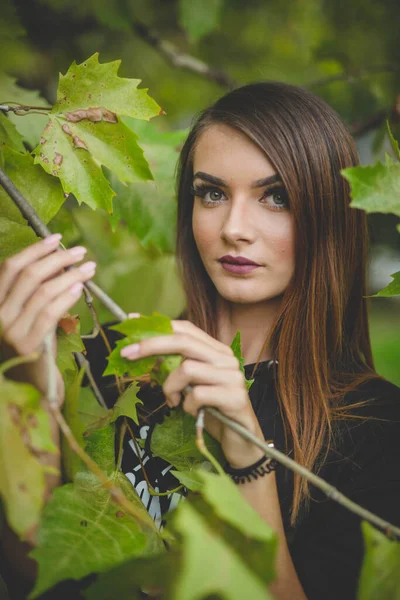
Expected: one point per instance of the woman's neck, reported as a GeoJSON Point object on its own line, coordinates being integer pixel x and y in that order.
{"type": "Point", "coordinates": [254, 322]}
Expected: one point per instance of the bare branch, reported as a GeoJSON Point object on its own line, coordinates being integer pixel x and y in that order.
{"type": "Point", "coordinates": [181, 60]}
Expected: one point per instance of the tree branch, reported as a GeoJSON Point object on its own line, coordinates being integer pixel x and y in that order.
{"type": "Point", "coordinates": [181, 60]}
{"type": "Point", "coordinates": [318, 482]}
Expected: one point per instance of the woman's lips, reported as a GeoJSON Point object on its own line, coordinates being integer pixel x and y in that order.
{"type": "Point", "coordinates": [239, 269]}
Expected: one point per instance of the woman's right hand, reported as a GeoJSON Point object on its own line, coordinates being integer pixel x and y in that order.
{"type": "Point", "coordinates": [35, 292]}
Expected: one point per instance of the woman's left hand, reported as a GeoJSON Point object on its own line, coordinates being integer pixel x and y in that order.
{"type": "Point", "coordinates": [212, 369]}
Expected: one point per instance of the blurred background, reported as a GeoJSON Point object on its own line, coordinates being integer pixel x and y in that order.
{"type": "Point", "coordinates": [188, 54]}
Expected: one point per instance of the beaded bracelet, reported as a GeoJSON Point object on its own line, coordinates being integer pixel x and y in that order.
{"type": "Point", "coordinates": [263, 466]}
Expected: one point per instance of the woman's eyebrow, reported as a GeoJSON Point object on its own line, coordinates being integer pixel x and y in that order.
{"type": "Point", "coordinates": [257, 184]}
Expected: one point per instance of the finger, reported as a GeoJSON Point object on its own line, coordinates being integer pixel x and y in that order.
{"type": "Point", "coordinates": [12, 266]}
{"type": "Point", "coordinates": [183, 344]}
{"type": "Point", "coordinates": [230, 401]}
{"type": "Point", "coordinates": [30, 340]}
{"type": "Point", "coordinates": [196, 372]}
{"type": "Point", "coordinates": [50, 290]}
{"type": "Point", "coordinates": [32, 276]}
{"type": "Point", "coordinates": [191, 329]}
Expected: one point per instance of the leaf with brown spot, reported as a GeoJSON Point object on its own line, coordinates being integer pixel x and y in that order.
{"type": "Point", "coordinates": [58, 158]}
{"type": "Point", "coordinates": [78, 143]}
{"type": "Point", "coordinates": [24, 435]}
{"type": "Point", "coordinates": [90, 99]}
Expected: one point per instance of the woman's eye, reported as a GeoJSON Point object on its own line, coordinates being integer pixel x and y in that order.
{"type": "Point", "coordinates": [277, 200]}
{"type": "Point", "coordinates": [208, 195]}
{"type": "Point", "coordinates": [214, 195]}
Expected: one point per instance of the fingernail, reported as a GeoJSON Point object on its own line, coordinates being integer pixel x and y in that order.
{"type": "Point", "coordinates": [133, 315]}
{"type": "Point", "coordinates": [131, 350]}
{"type": "Point", "coordinates": [88, 266]}
{"type": "Point", "coordinates": [76, 289]}
{"type": "Point", "coordinates": [77, 250]}
{"type": "Point", "coordinates": [51, 239]}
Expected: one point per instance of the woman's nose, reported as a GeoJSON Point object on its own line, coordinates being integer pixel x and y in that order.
{"type": "Point", "coordinates": [238, 223]}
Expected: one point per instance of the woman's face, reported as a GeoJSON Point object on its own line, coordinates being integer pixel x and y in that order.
{"type": "Point", "coordinates": [241, 210]}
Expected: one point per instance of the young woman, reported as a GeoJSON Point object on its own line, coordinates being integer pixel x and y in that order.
{"type": "Point", "coordinates": [267, 245]}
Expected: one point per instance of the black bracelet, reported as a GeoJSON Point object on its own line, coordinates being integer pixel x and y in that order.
{"type": "Point", "coordinates": [258, 469]}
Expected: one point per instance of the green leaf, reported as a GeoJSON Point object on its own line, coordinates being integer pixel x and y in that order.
{"type": "Point", "coordinates": [14, 237]}
{"type": "Point", "coordinates": [126, 404]}
{"type": "Point", "coordinates": [85, 132]}
{"type": "Point", "coordinates": [392, 289]}
{"type": "Point", "coordinates": [29, 126]}
{"type": "Point", "coordinates": [43, 192]}
{"type": "Point", "coordinates": [375, 188]}
{"type": "Point", "coordinates": [199, 18]}
{"type": "Point", "coordinates": [174, 440]}
{"type": "Point", "coordinates": [380, 574]}
{"type": "Point", "coordinates": [83, 531]}
{"type": "Point", "coordinates": [24, 432]}
{"type": "Point", "coordinates": [237, 351]}
{"type": "Point", "coordinates": [67, 343]}
{"type": "Point", "coordinates": [136, 330]}
{"type": "Point", "coordinates": [394, 143]}
{"type": "Point", "coordinates": [9, 136]}
{"type": "Point", "coordinates": [189, 479]}
{"type": "Point", "coordinates": [210, 565]}
{"type": "Point", "coordinates": [70, 460]}
{"type": "Point", "coordinates": [92, 84]}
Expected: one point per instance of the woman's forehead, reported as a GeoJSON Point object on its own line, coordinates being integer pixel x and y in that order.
{"type": "Point", "coordinates": [229, 154]}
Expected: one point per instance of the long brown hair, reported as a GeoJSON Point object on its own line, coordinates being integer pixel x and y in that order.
{"type": "Point", "coordinates": [320, 336]}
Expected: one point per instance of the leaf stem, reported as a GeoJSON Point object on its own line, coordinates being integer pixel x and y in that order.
{"type": "Point", "coordinates": [18, 360]}
{"type": "Point", "coordinates": [200, 443]}
{"type": "Point", "coordinates": [152, 491]}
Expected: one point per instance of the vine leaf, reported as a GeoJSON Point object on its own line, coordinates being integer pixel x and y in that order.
{"type": "Point", "coordinates": [237, 351]}
{"type": "Point", "coordinates": [221, 535]}
{"type": "Point", "coordinates": [174, 440]}
{"type": "Point", "coordinates": [136, 330]}
{"type": "Point", "coordinates": [68, 341]}
{"type": "Point", "coordinates": [9, 135]}
{"type": "Point", "coordinates": [83, 531]}
{"type": "Point", "coordinates": [96, 417]}
{"type": "Point", "coordinates": [392, 289]}
{"type": "Point", "coordinates": [24, 435]}
{"type": "Point", "coordinates": [85, 132]}
{"type": "Point", "coordinates": [380, 575]}
{"type": "Point", "coordinates": [375, 188]}
{"type": "Point", "coordinates": [43, 192]}
{"type": "Point", "coordinates": [29, 126]}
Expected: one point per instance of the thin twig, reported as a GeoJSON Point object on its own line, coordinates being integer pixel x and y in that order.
{"type": "Point", "coordinates": [152, 491]}
{"type": "Point", "coordinates": [329, 490]}
{"type": "Point", "coordinates": [83, 362]}
{"type": "Point", "coordinates": [43, 231]}
{"type": "Point", "coordinates": [182, 60]}
{"type": "Point", "coordinates": [21, 109]}
{"type": "Point", "coordinates": [200, 443]}
{"type": "Point", "coordinates": [122, 432]}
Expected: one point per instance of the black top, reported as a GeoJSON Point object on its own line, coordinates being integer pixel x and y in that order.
{"type": "Point", "coordinates": [326, 545]}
